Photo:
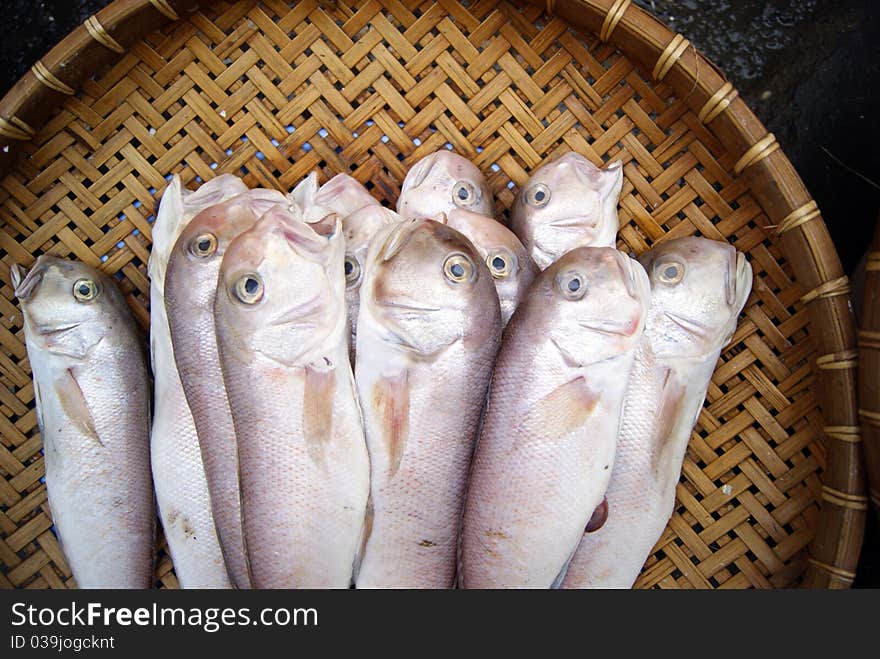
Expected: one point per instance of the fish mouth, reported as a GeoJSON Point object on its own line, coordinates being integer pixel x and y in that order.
{"type": "Point", "coordinates": [609, 327]}
{"type": "Point", "coordinates": [25, 282]}
{"type": "Point", "coordinates": [688, 324]}
{"type": "Point", "coordinates": [45, 330]}
{"type": "Point", "coordinates": [572, 222]}
{"type": "Point", "coordinates": [301, 314]}
{"type": "Point", "coordinates": [407, 307]}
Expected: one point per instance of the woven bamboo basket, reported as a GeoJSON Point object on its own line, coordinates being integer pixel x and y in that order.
{"type": "Point", "coordinates": [772, 492]}
{"type": "Point", "coordinates": [869, 370]}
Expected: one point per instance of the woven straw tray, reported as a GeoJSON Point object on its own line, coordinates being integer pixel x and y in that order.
{"type": "Point", "coordinates": [772, 493]}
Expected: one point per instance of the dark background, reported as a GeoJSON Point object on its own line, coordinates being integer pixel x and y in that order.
{"type": "Point", "coordinates": [809, 69]}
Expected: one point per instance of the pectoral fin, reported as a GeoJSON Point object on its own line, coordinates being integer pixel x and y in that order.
{"type": "Point", "coordinates": [391, 401]}
{"type": "Point", "coordinates": [318, 409]}
{"type": "Point", "coordinates": [76, 407]}
{"type": "Point", "coordinates": [598, 518]}
{"type": "Point", "coordinates": [560, 412]}
{"type": "Point", "coordinates": [668, 416]}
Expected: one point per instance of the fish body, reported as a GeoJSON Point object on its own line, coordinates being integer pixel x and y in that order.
{"type": "Point", "coordinates": [508, 261]}
{"type": "Point", "coordinates": [190, 286]}
{"type": "Point", "coordinates": [428, 332]}
{"type": "Point", "coordinates": [176, 461]}
{"type": "Point", "coordinates": [548, 438]}
{"type": "Point", "coordinates": [567, 203]}
{"type": "Point", "coordinates": [92, 393]}
{"type": "Point", "coordinates": [441, 182]}
{"type": "Point", "coordinates": [304, 469]}
{"type": "Point", "coordinates": [699, 288]}
{"type": "Point", "coordinates": [359, 227]}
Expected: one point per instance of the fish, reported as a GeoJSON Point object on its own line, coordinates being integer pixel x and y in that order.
{"type": "Point", "coordinates": [92, 394]}
{"type": "Point", "coordinates": [440, 182]}
{"type": "Point", "coordinates": [304, 468]}
{"type": "Point", "coordinates": [342, 195]}
{"type": "Point", "coordinates": [512, 269]}
{"type": "Point", "coordinates": [546, 448]}
{"type": "Point", "coordinates": [190, 286]}
{"type": "Point", "coordinates": [359, 227]}
{"type": "Point", "coordinates": [428, 332]}
{"type": "Point", "coordinates": [175, 457]}
{"type": "Point", "coordinates": [699, 287]}
{"type": "Point", "coordinates": [567, 203]}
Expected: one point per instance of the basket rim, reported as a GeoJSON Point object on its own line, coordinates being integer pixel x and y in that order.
{"type": "Point", "coordinates": [671, 60]}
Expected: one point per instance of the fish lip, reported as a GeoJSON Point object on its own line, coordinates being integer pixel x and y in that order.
{"type": "Point", "coordinates": [571, 222]}
{"type": "Point", "coordinates": [608, 327]}
{"type": "Point", "coordinates": [296, 315]}
{"type": "Point", "coordinates": [46, 331]}
{"type": "Point", "coordinates": [407, 307]}
{"type": "Point", "coordinates": [687, 324]}
{"type": "Point", "coordinates": [26, 284]}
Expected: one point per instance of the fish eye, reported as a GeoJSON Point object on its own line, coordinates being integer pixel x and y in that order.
{"type": "Point", "coordinates": [85, 290]}
{"type": "Point", "coordinates": [669, 272]}
{"type": "Point", "coordinates": [501, 263]}
{"type": "Point", "coordinates": [573, 285]}
{"type": "Point", "coordinates": [464, 193]}
{"type": "Point", "coordinates": [538, 195]}
{"type": "Point", "coordinates": [249, 288]}
{"type": "Point", "coordinates": [203, 245]}
{"type": "Point", "coordinates": [352, 270]}
{"type": "Point", "coordinates": [459, 268]}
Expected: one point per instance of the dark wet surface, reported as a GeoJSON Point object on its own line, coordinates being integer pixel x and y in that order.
{"type": "Point", "coordinates": [809, 69]}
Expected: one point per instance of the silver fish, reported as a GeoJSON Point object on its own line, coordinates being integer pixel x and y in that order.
{"type": "Point", "coordinates": [342, 195]}
{"type": "Point", "coordinates": [567, 203]}
{"type": "Point", "coordinates": [92, 393]}
{"type": "Point", "coordinates": [547, 443]}
{"type": "Point", "coordinates": [699, 288]}
{"type": "Point", "coordinates": [359, 227]}
{"type": "Point", "coordinates": [190, 285]}
{"type": "Point", "coordinates": [507, 259]}
{"type": "Point", "coordinates": [440, 183]}
{"type": "Point", "coordinates": [428, 332]}
{"type": "Point", "coordinates": [178, 471]}
{"type": "Point", "coordinates": [281, 329]}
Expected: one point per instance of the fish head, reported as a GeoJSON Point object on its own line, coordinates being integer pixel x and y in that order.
{"type": "Point", "coordinates": [567, 203]}
{"type": "Point", "coordinates": [425, 288]}
{"type": "Point", "coordinates": [698, 289]}
{"type": "Point", "coordinates": [441, 182]}
{"type": "Point", "coordinates": [510, 265]}
{"type": "Point", "coordinates": [198, 251]}
{"type": "Point", "coordinates": [177, 207]}
{"type": "Point", "coordinates": [359, 227]}
{"type": "Point", "coordinates": [68, 306]}
{"type": "Point", "coordinates": [280, 291]}
{"type": "Point", "coordinates": [341, 195]}
{"type": "Point", "coordinates": [594, 303]}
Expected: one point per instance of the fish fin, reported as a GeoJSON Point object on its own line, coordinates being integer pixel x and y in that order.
{"type": "Point", "coordinates": [563, 410]}
{"type": "Point", "coordinates": [320, 386]}
{"type": "Point", "coordinates": [366, 531]}
{"type": "Point", "coordinates": [598, 518]}
{"type": "Point", "coordinates": [391, 399]}
{"type": "Point", "coordinates": [74, 403]}
{"type": "Point", "coordinates": [560, 577]}
{"type": "Point", "coordinates": [38, 404]}
{"type": "Point", "coordinates": [304, 193]}
{"type": "Point", "coordinates": [668, 413]}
